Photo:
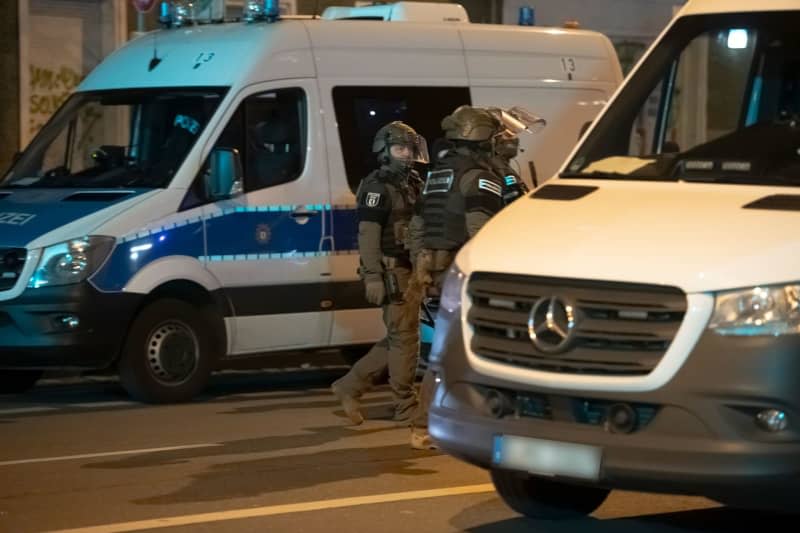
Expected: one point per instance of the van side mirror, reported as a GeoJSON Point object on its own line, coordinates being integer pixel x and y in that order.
{"type": "Point", "coordinates": [223, 178]}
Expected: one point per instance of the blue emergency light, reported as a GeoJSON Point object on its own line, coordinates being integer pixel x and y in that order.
{"type": "Point", "coordinates": [527, 16]}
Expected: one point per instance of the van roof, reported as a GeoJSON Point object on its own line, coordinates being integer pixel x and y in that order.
{"type": "Point", "coordinates": [700, 7]}
{"type": "Point", "coordinates": [238, 54]}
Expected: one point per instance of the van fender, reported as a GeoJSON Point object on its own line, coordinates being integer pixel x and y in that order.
{"type": "Point", "coordinates": [181, 268]}
{"type": "Point", "coordinates": [172, 268]}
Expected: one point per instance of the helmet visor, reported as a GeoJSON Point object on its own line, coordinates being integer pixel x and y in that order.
{"type": "Point", "coordinates": [414, 149]}
{"type": "Point", "coordinates": [518, 119]}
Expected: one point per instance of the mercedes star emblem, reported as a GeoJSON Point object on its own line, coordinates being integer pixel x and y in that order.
{"type": "Point", "coordinates": [551, 325]}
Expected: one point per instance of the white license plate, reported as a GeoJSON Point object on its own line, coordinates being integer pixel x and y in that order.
{"type": "Point", "coordinates": [546, 457]}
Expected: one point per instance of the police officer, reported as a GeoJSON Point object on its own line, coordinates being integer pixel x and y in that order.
{"type": "Point", "coordinates": [386, 198]}
{"type": "Point", "coordinates": [461, 193]}
{"type": "Point", "coordinates": [506, 148]}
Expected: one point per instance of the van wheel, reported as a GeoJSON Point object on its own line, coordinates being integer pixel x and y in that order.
{"type": "Point", "coordinates": [545, 499]}
{"type": "Point", "coordinates": [168, 355]}
{"type": "Point", "coordinates": [18, 381]}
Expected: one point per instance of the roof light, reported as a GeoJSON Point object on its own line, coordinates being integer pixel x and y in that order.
{"type": "Point", "coordinates": [737, 39]}
{"type": "Point", "coordinates": [258, 10]}
{"type": "Point", "coordinates": [184, 13]}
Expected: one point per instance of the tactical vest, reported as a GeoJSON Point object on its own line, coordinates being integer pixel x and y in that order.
{"type": "Point", "coordinates": [443, 206]}
{"type": "Point", "coordinates": [402, 196]}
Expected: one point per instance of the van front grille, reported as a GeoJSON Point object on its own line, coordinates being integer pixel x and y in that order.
{"type": "Point", "coordinates": [12, 260]}
{"type": "Point", "coordinates": [616, 328]}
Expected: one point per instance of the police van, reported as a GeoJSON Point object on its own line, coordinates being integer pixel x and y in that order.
{"type": "Point", "coordinates": [650, 341]}
{"type": "Point", "coordinates": [193, 202]}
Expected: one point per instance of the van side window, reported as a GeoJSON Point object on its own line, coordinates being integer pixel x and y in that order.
{"type": "Point", "coordinates": [269, 131]}
{"type": "Point", "coordinates": [361, 111]}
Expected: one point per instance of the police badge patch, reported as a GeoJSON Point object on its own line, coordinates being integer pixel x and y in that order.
{"type": "Point", "coordinates": [438, 181]}
{"type": "Point", "coordinates": [263, 234]}
{"type": "Point", "coordinates": [373, 199]}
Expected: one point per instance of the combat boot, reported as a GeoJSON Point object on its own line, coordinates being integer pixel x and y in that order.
{"type": "Point", "coordinates": [422, 440]}
{"type": "Point", "coordinates": [350, 404]}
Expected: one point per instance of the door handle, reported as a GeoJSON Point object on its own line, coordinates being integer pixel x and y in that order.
{"type": "Point", "coordinates": [304, 214]}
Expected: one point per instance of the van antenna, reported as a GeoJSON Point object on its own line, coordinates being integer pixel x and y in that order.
{"type": "Point", "coordinates": [155, 60]}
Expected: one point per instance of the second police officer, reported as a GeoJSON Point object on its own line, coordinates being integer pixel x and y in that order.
{"type": "Point", "coordinates": [461, 193]}
{"type": "Point", "coordinates": [385, 201]}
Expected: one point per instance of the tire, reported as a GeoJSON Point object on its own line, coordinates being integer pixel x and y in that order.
{"type": "Point", "coordinates": [169, 353]}
{"type": "Point", "coordinates": [546, 499]}
{"type": "Point", "coordinates": [18, 381]}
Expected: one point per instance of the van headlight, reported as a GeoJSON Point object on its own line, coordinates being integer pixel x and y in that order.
{"type": "Point", "coordinates": [449, 311]}
{"type": "Point", "coordinates": [70, 262]}
{"type": "Point", "coordinates": [773, 310]}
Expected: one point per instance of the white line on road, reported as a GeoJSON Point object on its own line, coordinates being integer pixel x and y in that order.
{"type": "Point", "coordinates": [106, 454]}
{"type": "Point", "coordinates": [26, 410]}
{"type": "Point", "coordinates": [238, 514]}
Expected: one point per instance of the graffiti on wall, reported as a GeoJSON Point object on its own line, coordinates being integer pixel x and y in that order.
{"type": "Point", "coordinates": [49, 88]}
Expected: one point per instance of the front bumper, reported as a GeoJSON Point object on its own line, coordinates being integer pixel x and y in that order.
{"type": "Point", "coordinates": [34, 335]}
{"type": "Point", "coordinates": [695, 435]}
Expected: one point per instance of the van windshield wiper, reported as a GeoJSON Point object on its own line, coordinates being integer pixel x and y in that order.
{"type": "Point", "coordinates": [749, 179]}
{"type": "Point", "coordinates": [596, 174]}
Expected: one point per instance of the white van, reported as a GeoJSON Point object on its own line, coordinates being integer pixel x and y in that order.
{"type": "Point", "coordinates": [193, 202]}
{"type": "Point", "coordinates": [648, 336]}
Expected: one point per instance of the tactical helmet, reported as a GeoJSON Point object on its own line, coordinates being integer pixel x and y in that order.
{"type": "Point", "coordinates": [469, 123]}
{"type": "Point", "coordinates": [398, 132]}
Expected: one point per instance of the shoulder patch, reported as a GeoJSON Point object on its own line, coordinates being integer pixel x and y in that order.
{"type": "Point", "coordinates": [439, 181]}
{"type": "Point", "coordinates": [490, 186]}
{"type": "Point", "coordinates": [373, 199]}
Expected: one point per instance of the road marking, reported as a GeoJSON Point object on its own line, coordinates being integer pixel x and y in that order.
{"type": "Point", "coordinates": [238, 514]}
{"type": "Point", "coordinates": [106, 454]}
{"type": "Point", "coordinates": [26, 410]}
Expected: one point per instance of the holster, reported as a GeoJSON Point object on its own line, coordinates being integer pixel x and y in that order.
{"type": "Point", "coordinates": [394, 294]}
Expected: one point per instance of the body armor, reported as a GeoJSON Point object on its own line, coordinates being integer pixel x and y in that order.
{"type": "Point", "coordinates": [460, 183]}
{"type": "Point", "coordinates": [388, 199]}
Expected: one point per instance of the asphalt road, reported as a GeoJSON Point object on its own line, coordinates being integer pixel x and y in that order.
{"type": "Point", "coordinates": [268, 451]}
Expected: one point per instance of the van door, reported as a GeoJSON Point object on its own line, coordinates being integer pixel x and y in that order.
{"type": "Point", "coordinates": [266, 245]}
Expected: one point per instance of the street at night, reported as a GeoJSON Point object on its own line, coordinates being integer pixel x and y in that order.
{"type": "Point", "coordinates": [268, 451]}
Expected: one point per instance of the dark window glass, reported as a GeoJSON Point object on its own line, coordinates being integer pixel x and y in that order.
{"type": "Point", "coordinates": [718, 100]}
{"type": "Point", "coordinates": [117, 138]}
{"type": "Point", "coordinates": [269, 131]}
{"type": "Point", "coordinates": [361, 111]}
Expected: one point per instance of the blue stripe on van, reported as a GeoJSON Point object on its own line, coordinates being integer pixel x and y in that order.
{"type": "Point", "coordinates": [238, 234]}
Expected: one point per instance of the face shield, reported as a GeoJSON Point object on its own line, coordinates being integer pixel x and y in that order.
{"type": "Point", "coordinates": [413, 149]}
{"type": "Point", "coordinates": [518, 119]}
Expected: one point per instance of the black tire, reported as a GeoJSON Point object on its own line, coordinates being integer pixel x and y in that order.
{"type": "Point", "coordinates": [546, 499]}
{"type": "Point", "coordinates": [18, 381]}
{"type": "Point", "coordinates": [169, 353]}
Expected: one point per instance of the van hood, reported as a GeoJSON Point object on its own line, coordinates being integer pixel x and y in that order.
{"type": "Point", "coordinates": [698, 237]}
{"type": "Point", "coordinates": [27, 215]}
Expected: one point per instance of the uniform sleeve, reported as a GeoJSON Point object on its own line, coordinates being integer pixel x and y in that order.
{"type": "Point", "coordinates": [374, 207]}
{"type": "Point", "coordinates": [483, 198]}
{"type": "Point", "coordinates": [369, 248]}
{"type": "Point", "coordinates": [374, 202]}
{"type": "Point", "coordinates": [475, 221]}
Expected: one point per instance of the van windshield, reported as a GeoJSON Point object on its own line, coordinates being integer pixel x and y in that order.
{"type": "Point", "coordinates": [119, 138]}
{"type": "Point", "coordinates": [718, 100]}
